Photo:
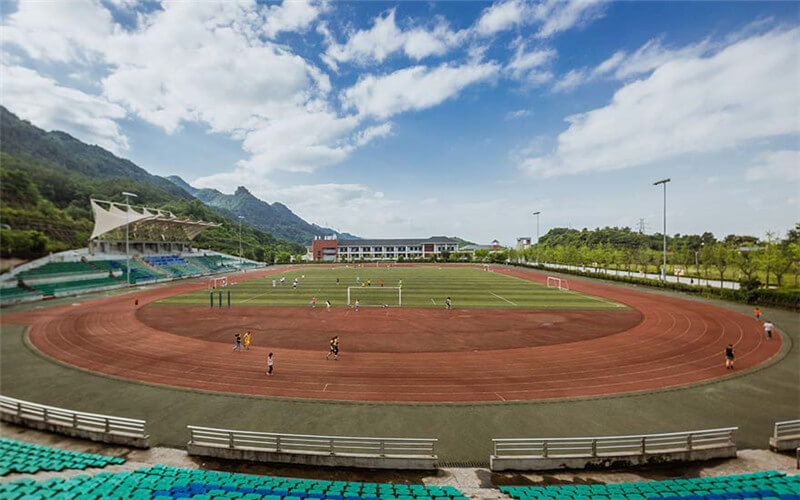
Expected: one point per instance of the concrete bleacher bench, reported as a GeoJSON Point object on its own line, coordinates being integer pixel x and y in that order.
{"type": "Point", "coordinates": [328, 451]}
{"type": "Point", "coordinates": [92, 426]}
{"type": "Point", "coordinates": [611, 451]}
{"type": "Point", "coordinates": [785, 436]}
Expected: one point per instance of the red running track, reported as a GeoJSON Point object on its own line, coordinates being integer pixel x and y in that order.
{"type": "Point", "coordinates": [663, 342]}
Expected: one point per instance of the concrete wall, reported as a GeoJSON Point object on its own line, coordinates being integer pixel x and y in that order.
{"type": "Point", "coordinates": [524, 463]}
{"type": "Point", "coordinates": [102, 437]}
{"type": "Point", "coordinates": [316, 459]}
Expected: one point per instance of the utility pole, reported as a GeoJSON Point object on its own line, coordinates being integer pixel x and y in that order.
{"type": "Point", "coordinates": [127, 196]}
{"type": "Point", "coordinates": [537, 214]}
{"type": "Point", "coordinates": [240, 238]}
{"type": "Point", "coordinates": [664, 265]}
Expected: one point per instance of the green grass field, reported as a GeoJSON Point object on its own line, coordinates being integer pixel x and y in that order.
{"type": "Point", "coordinates": [421, 287]}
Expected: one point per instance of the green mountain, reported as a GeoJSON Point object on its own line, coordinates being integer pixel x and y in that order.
{"type": "Point", "coordinates": [275, 218]}
{"type": "Point", "coordinates": [47, 178]}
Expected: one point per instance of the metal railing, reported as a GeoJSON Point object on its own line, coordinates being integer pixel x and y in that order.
{"type": "Point", "coordinates": [303, 443]}
{"type": "Point", "coordinates": [613, 445]}
{"type": "Point", "coordinates": [92, 422]}
{"type": "Point", "coordinates": [786, 429]}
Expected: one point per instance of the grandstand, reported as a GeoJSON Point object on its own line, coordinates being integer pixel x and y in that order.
{"type": "Point", "coordinates": [27, 458]}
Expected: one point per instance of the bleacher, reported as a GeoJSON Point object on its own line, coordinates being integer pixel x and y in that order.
{"type": "Point", "coordinates": [12, 293]}
{"type": "Point", "coordinates": [138, 271]}
{"type": "Point", "coordinates": [27, 458]}
{"type": "Point", "coordinates": [57, 270]}
{"type": "Point", "coordinates": [174, 265]}
{"type": "Point", "coordinates": [62, 287]}
{"type": "Point", "coordinates": [162, 482]}
{"type": "Point", "coordinates": [769, 484]}
{"type": "Point", "coordinates": [211, 264]}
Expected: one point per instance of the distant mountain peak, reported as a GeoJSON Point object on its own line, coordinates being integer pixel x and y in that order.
{"type": "Point", "coordinates": [242, 191]}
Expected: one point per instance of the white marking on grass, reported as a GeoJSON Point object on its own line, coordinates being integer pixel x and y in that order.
{"type": "Point", "coordinates": [503, 298]}
{"type": "Point", "coordinates": [253, 297]}
{"type": "Point", "coordinates": [434, 302]}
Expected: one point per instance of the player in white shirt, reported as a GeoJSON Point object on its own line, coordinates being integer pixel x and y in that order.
{"type": "Point", "coordinates": [768, 326]}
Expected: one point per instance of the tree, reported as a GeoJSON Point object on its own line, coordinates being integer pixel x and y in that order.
{"type": "Point", "coordinates": [747, 262]}
{"type": "Point", "coordinates": [283, 257]}
{"type": "Point", "coordinates": [481, 254]}
{"type": "Point", "coordinates": [721, 256]}
{"type": "Point", "coordinates": [444, 255]}
{"type": "Point", "coordinates": [770, 257]}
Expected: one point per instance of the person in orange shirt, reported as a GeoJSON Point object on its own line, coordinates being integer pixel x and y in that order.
{"type": "Point", "coordinates": [757, 313]}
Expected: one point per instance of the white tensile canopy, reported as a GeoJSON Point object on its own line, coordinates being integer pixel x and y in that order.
{"type": "Point", "coordinates": [110, 216]}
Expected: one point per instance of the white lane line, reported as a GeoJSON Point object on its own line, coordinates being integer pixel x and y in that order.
{"type": "Point", "coordinates": [502, 298]}
{"type": "Point", "coordinates": [326, 386]}
{"type": "Point", "coordinates": [499, 396]}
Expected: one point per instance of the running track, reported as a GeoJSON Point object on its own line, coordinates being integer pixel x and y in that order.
{"type": "Point", "coordinates": [677, 342]}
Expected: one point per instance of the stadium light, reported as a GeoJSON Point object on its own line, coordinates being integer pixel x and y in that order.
{"type": "Point", "coordinates": [240, 239]}
{"type": "Point", "coordinates": [664, 266]}
{"type": "Point", "coordinates": [537, 236]}
{"type": "Point", "coordinates": [128, 196]}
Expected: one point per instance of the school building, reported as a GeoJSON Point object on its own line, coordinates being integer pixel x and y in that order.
{"type": "Point", "coordinates": [331, 249]}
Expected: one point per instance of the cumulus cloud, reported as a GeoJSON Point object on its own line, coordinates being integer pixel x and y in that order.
{"type": "Point", "coordinates": [414, 88]}
{"type": "Point", "coordinates": [776, 166]}
{"type": "Point", "coordinates": [51, 106]}
{"type": "Point", "coordinates": [531, 66]}
{"type": "Point", "coordinates": [294, 15]}
{"type": "Point", "coordinates": [385, 38]}
{"type": "Point", "coordinates": [687, 105]}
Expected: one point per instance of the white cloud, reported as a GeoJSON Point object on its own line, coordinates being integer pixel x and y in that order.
{"type": "Point", "coordinates": [414, 88]}
{"type": "Point", "coordinates": [744, 92]}
{"type": "Point", "coordinates": [385, 38]}
{"type": "Point", "coordinates": [519, 113]}
{"type": "Point", "coordinates": [569, 81]}
{"type": "Point", "coordinates": [529, 66]}
{"type": "Point", "coordinates": [776, 166]}
{"type": "Point", "coordinates": [54, 107]}
{"type": "Point", "coordinates": [291, 15]}
{"type": "Point", "coordinates": [369, 134]}
{"type": "Point", "coordinates": [552, 16]}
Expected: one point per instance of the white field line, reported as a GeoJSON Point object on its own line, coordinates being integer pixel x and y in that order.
{"type": "Point", "coordinates": [567, 291]}
{"type": "Point", "coordinates": [253, 297]}
{"type": "Point", "coordinates": [434, 302]}
{"type": "Point", "coordinates": [503, 298]}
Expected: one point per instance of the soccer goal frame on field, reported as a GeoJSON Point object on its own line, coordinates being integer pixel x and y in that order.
{"type": "Point", "coordinates": [373, 288]}
{"type": "Point", "coordinates": [213, 283]}
{"type": "Point", "coordinates": [560, 283]}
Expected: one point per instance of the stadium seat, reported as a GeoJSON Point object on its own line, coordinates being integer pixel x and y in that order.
{"type": "Point", "coordinates": [767, 484]}
{"type": "Point", "coordinates": [27, 458]}
{"type": "Point", "coordinates": [169, 482]}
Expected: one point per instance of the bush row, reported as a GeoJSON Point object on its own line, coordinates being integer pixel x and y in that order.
{"type": "Point", "coordinates": [747, 294]}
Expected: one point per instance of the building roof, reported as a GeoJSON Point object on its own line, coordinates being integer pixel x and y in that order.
{"type": "Point", "coordinates": [469, 248]}
{"type": "Point", "coordinates": [110, 217]}
{"type": "Point", "coordinates": [398, 241]}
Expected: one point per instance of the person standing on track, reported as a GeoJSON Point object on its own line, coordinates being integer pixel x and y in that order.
{"type": "Point", "coordinates": [356, 305]}
{"type": "Point", "coordinates": [448, 303]}
{"type": "Point", "coordinates": [270, 362]}
{"type": "Point", "coordinates": [247, 338]}
{"type": "Point", "coordinates": [757, 313]}
{"type": "Point", "coordinates": [328, 305]}
{"type": "Point", "coordinates": [729, 355]}
{"type": "Point", "coordinates": [768, 326]}
{"type": "Point", "coordinates": [238, 345]}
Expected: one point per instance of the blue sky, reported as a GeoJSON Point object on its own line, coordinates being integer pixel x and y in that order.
{"type": "Point", "coordinates": [391, 119]}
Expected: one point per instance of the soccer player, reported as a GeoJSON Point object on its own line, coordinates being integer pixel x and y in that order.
{"type": "Point", "coordinates": [238, 345]}
{"type": "Point", "coordinates": [270, 362]}
{"type": "Point", "coordinates": [337, 281]}
{"type": "Point", "coordinates": [274, 283]}
{"type": "Point", "coordinates": [328, 305]}
{"type": "Point", "coordinates": [247, 338]}
{"type": "Point", "coordinates": [381, 282]}
{"type": "Point", "coordinates": [757, 313]}
{"type": "Point", "coordinates": [356, 305]}
{"type": "Point", "coordinates": [331, 347]}
{"type": "Point", "coordinates": [729, 357]}
{"type": "Point", "coordinates": [283, 280]}
{"type": "Point", "coordinates": [314, 302]}
{"type": "Point", "coordinates": [369, 282]}
{"type": "Point", "coordinates": [768, 326]}
{"type": "Point", "coordinates": [448, 303]}
{"type": "Point", "coordinates": [294, 285]}
{"type": "Point", "coordinates": [336, 348]}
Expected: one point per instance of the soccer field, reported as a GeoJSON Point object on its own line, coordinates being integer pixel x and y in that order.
{"type": "Point", "coordinates": [427, 286]}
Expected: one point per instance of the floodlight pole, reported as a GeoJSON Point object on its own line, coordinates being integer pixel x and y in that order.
{"type": "Point", "coordinates": [664, 265]}
{"type": "Point", "coordinates": [127, 196]}
{"type": "Point", "coordinates": [537, 236]}
{"type": "Point", "coordinates": [240, 239]}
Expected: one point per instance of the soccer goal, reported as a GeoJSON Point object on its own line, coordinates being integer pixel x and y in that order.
{"type": "Point", "coordinates": [375, 296]}
{"type": "Point", "coordinates": [560, 283]}
{"type": "Point", "coordinates": [214, 283]}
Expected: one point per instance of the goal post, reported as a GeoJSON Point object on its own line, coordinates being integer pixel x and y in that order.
{"type": "Point", "coordinates": [560, 283]}
{"type": "Point", "coordinates": [375, 295]}
{"type": "Point", "coordinates": [214, 283]}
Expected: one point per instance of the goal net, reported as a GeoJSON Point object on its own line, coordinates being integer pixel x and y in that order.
{"type": "Point", "coordinates": [217, 282]}
{"type": "Point", "coordinates": [379, 296]}
{"type": "Point", "coordinates": [560, 283]}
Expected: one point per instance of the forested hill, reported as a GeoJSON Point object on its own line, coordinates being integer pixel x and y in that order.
{"type": "Point", "coordinates": [47, 178]}
{"type": "Point", "coordinates": [275, 218]}
{"type": "Point", "coordinates": [624, 237]}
